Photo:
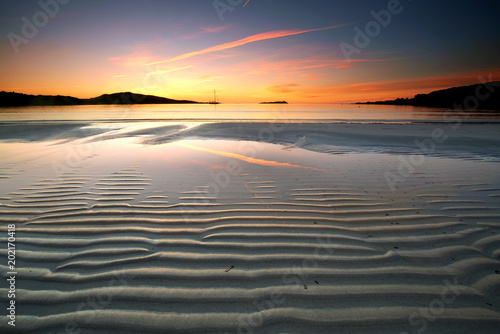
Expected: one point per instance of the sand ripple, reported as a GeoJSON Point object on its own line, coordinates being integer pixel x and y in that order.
{"type": "Point", "coordinates": [116, 253]}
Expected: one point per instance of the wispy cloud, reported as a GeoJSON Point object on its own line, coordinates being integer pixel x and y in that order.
{"type": "Point", "coordinates": [306, 63]}
{"type": "Point", "coordinates": [214, 29]}
{"type": "Point", "coordinates": [204, 31]}
{"type": "Point", "coordinates": [314, 76]}
{"type": "Point", "coordinates": [137, 58]}
{"type": "Point", "coordinates": [243, 41]}
{"type": "Point", "coordinates": [120, 75]}
{"type": "Point", "coordinates": [170, 70]}
{"type": "Point", "coordinates": [283, 89]}
{"type": "Point", "coordinates": [354, 91]}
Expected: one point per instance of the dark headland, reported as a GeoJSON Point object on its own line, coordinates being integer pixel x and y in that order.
{"type": "Point", "coordinates": [275, 102]}
{"type": "Point", "coordinates": [11, 99]}
{"type": "Point", "coordinates": [474, 97]}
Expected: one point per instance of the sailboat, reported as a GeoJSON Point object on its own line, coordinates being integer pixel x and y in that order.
{"type": "Point", "coordinates": [215, 99]}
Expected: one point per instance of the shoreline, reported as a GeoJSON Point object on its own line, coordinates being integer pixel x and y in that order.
{"type": "Point", "coordinates": [446, 139]}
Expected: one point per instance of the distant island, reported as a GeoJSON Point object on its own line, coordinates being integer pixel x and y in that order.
{"type": "Point", "coordinates": [480, 96]}
{"type": "Point", "coordinates": [275, 102]}
{"type": "Point", "coordinates": [12, 99]}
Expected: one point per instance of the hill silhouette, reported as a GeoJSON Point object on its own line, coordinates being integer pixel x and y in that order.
{"type": "Point", "coordinates": [480, 97]}
{"type": "Point", "coordinates": [11, 99]}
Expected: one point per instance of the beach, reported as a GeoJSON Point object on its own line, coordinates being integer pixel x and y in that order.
{"type": "Point", "coordinates": [249, 167]}
{"type": "Point", "coordinates": [251, 226]}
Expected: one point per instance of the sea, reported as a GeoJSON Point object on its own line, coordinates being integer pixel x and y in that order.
{"type": "Point", "coordinates": [244, 112]}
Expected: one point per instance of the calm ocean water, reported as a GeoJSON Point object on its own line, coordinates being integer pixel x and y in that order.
{"type": "Point", "coordinates": [235, 112]}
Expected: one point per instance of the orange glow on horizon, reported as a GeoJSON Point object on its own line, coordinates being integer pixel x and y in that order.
{"type": "Point", "coordinates": [291, 70]}
{"type": "Point", "coordinates": [249, 53]}
{"type": "Point", "coordinates": [187, 82]}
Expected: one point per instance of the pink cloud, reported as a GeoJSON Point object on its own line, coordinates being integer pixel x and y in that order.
{"type": "Point", "coordinates": [136, 58]}
{"type": "Point", "coordinates": [243, 41]}
{"type": "Point", "coordinates": [214, 29]}
{"type": "Point", "coordinates": [283, 89]}
{"type": "Point", "coordinates": [205, 30]}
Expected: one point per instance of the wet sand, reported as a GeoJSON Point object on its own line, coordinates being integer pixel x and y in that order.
{"type": "Point", "coordinates": [253, 227]}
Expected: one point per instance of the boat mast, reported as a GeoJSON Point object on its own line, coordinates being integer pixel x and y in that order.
{"type": "Point", "coordinates": [215, 99]}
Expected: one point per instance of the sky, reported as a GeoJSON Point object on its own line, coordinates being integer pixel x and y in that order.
{"type": "Point", "coordinates": [301, 51]}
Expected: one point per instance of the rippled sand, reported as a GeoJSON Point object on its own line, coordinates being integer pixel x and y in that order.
{"type": "Point", "coordinates": [187, 228]}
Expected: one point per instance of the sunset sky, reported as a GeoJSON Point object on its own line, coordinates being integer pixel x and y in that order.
{"type": "Point", "coordinates": [260, 50]}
